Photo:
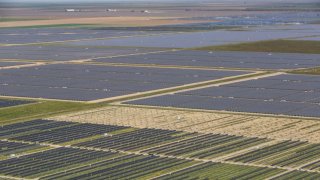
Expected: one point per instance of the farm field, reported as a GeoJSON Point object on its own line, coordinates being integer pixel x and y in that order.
{"type": "Point", "coordinates": [191, 90]}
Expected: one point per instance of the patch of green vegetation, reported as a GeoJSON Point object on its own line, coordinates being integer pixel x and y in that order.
{"type": "Point", "coordinates": [282, 46]}
{"type": "Point", "coordinates": [121, 131]}
{"type": "Point", "coordinates": [41, 110]}
{"type": "Point", "coordinates": [310, 71]}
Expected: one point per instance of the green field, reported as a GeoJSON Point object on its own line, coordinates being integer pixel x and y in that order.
{"type": "Point", "coordinates": [281, 46]}
{"type": "Point", "coordinates": [310, 71]}
{"type": "Point", "coordinates": [41, 109]}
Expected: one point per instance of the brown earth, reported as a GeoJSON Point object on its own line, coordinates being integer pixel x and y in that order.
{"type": "Point", "coordinates": [110, 21]}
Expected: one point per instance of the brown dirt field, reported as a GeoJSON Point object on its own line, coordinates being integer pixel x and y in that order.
{"type": "Point", "coordinates": [205, 122]}
{"type": "Point", "coordinates": [110, 21]}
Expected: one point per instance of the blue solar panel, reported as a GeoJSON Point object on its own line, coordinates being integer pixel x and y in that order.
{"type": "Point", "coordinates": [90, 82]}
{"type": "Point", "coordinates": [284, 94]}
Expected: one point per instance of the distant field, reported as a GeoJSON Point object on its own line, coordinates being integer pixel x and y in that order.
{"type": "Point", "coordinates": [283, 46]}
{"type": "Point", "coordinates": [4, 19]}
{"type": "Point", "coordinates": [110, 21]}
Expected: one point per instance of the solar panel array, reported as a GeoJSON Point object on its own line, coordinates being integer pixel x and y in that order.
{"type": "Point", "coordinates": [297, 95]}
{"type": "Point", "coordinates": [200, 39]}
{"type": "Point", "coordinates": [64, 53]}
{"type": "Point", "coordinates": [259, 60]}
{"type": "Point", "coordinates": [8, 103]}
{"type": "Point", "coordinates": [38, 35]}
{"type": "Point", "coordinates": [91, 82]}
{"type": "Point", "coordinates": [53, 131]}
{"type": "Point", "coordinates": [6, 64]}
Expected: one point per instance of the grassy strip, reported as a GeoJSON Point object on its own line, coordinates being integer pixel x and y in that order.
{"type": "Point", "coordinates": [121, 131]}
{"type": "Point", "coordinates": [309, 71]}
{"type": "Point", "coordinates": [41, 110]}
{"type": "Point", "coordinates": [281, 46]}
